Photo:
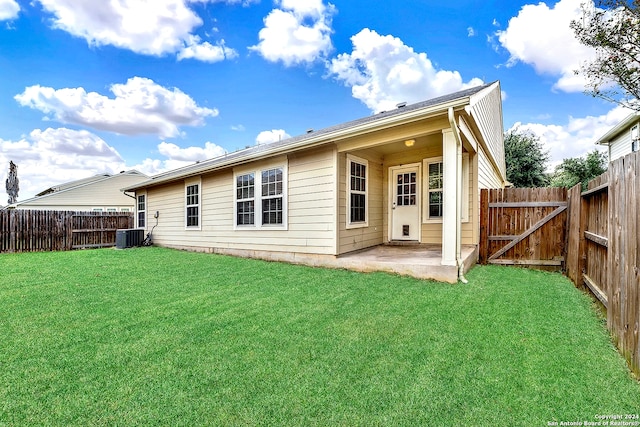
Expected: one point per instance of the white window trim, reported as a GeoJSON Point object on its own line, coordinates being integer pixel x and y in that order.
{"type": "Point", "coordinates": [137, 211]}
{"type": "Point", "coordinates": [257, 196]}
{"type": "Point", "coordinates": [426, 219]}
{"type": "Point", "coordinates": [187, 183]}
{"type": "Point", "coordinates": [465, 187]}
{"type": "Point", "coordinates": [353, 159]}
{"type": "Point", "coordinates": [97, 210]}
{"type": "Point", "coordinates": [635, 138]}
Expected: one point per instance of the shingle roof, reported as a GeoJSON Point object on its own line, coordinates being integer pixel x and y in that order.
{"type": "Point", "coordinates": [255, 151]}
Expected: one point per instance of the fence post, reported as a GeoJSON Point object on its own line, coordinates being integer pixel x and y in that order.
{"type": "Point", "coordinates": [483, 252]}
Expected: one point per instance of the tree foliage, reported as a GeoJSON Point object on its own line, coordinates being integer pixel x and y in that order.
{"type": "Point", "coordinates": [12, 183]}
{"type": "Point", "coordinates": [579, 170]}
{"type": "Point", "coordinates": [612, 28]}
{"type": "Point", "coordinates": [525, 159]}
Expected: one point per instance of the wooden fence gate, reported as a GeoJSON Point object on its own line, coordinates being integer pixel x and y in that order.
{"type": "Point", "coordinates": [523, 226]}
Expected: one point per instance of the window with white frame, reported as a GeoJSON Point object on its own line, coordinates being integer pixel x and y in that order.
{"type": "Point", "coordinates": [272, 207]}
{"type": "Point", "coordinates": [635, 139]}
{"type": "Point", "coordinates": [192, 211]}
{"type": "Point", "coordinates": [357, 191]}
{"type": "Point", "coordinates": [245, 199]}
{"type": "Point", "coordinates": [142, 210]}
{"type": "Point", "coordinates": [433, 189]}
{"type": "Point", "coordinates": [263, 189]}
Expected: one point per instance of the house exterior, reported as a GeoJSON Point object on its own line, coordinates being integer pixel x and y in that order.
{"type": "Point", "coordinates": [98, 193]}
{"type": "Point", "coordinates": [623, 138]}
{"type": "Point", "coordinates": [411, 175]}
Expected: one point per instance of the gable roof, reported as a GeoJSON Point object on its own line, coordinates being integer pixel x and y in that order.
{"type": "Point", "coordinates": [607, 138]}
{"type": "Point", "coordinates": [72, 184]}
{"type": "Point", "coordinates": [53, 192]}
{"type": "Point", "coordinates": [312, 138]}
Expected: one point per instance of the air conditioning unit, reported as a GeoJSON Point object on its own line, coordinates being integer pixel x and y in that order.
{"type": "Point", "coordinates": [129, 238]}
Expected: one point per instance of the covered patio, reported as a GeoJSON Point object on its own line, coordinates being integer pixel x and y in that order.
{"type": "Point", "coordinates": [423, 261]}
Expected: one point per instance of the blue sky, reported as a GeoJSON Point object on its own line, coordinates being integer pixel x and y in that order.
{"type": "Point", "coordinates": [91, 87]}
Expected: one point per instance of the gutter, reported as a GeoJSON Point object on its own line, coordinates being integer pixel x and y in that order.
{"type": "Point", "coordinates": [456, 134]}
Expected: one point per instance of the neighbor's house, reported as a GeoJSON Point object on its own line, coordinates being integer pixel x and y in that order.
{"type": "Point", "coordinates": [98, 193]}
{"type": "Point", "coordinates": [412, 174]}
{"type": "Point", "coordinates": [623, 138]}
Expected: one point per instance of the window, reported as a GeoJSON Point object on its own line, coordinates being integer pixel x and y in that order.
{"type": "Point", "coordinates": [635, 139]}
{"type": "Point", "coordinates": [142, 210]}
{"type": "Point", "coordinates": [112, 210]}
{"type": "Point", "coordinates": [434, 186]}
{"type": "Point", "coordinates": [357, 186]}
{"type": "Point", "coordinates": [272, 196]}
{"type": "Point", "coordinates": [193, 205]}
{"type": "Point", "coordinates": [98, 210]}
{"type": "Point", "coordinates": [260, 199]}
{"type": "Point", "coordinates": [433, 204]}
{"type": "Point", "coordinates": [125, 210]}
{"type": "Point", "coordinates": [245, 203]}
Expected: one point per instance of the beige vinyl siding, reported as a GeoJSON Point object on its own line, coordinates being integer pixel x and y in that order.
{"type": "Point", "coordinates": [486, 109]}
{"type": "Point", "coordinates": [353, 239]}
{"type": "Point", "coordinates": [621, 145]}
{"type": "Point", "coordinates": [310, 204]}
{"type": "Point", "coordinates": [103, 194]}
{"type": "Point", "coordinates": [487, 175]}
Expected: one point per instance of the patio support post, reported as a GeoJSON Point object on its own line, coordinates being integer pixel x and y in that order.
{"type": "Point", "coordinates": [450, 197]}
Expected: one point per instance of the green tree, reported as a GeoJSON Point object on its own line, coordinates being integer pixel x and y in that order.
{"type": "Point", "coordinates": [579, 170]}
{"type": "Point", "coordinates": [526, 159]}
{"type": "Point", "coordinates": [612, 28]}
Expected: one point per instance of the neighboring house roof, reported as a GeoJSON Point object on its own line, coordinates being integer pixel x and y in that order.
{"type": "Point", "coordinates": [85, 189]}
{"type": "Point", "coordinates": [314, 138]}
{"type": "Point", "coordinates": [608, 137]}
{"type": "Point", "coordinates": [72, 184]}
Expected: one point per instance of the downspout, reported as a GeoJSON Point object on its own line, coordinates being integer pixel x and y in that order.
{"type": "Point", "coordinates": [456, 135]}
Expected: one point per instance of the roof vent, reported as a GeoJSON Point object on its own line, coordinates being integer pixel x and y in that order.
{"type": "Point", "coordinates": [401, 105]}
{"type": "Point", "coordinates": [310, 130]}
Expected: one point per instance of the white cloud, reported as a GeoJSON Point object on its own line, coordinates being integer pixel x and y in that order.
{"type": "Point", "coordinates": [50, 157]}
{"type": "Point", "coordinates": [190, 154]}
{"type": "Point", "coordinates": [238, 128]}
{"type": "Point", "coordinates": [471, 32]}
{"type": "Point", "coordinates": [382, 71]}
{"type": "Point", "coordinates": [53, 156]}
{"type": "Point", "coordinates": [575, 138]}
{"type": "Point", "coordinates": [541, 37]}
{"type": "Point", "coordinates": [9, 9]}
{"type": "Point", "coordinates": [299, 32]}
{"type": "Point", "coordinates": [156, 27]}
{"type": "Point", "coordinates": [205, 51]}
{"type": "Point", "coordinates": [269, 136]}
{"type": "Point", "coordinates": [140, 107]}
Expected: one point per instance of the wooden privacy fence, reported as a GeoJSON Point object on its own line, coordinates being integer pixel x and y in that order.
{"type": "Point", "coordinates": [602, 252]}
{"type": "Point", "coordinates": [33, 230]}
{"type": "Point", "coordinates": [523, 226]}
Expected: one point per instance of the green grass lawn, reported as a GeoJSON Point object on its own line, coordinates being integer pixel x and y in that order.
{"type": "Point", "coordinates": [152, 336]}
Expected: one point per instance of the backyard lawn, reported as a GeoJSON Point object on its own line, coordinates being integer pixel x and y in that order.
{"type": "Point", "coordinates": [152, 336]}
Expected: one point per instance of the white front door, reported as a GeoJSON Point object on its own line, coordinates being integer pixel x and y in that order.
{"type": "Point", "coordinates": [405, 202]}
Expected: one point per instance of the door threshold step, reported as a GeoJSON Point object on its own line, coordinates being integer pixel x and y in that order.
{"type": "Point", "coordinates": [403, 243]}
